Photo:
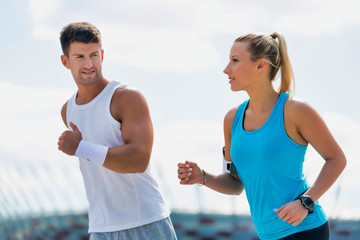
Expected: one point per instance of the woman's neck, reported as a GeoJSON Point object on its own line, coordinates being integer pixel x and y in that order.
{"type": "Point", "coordinates": [262, 100]}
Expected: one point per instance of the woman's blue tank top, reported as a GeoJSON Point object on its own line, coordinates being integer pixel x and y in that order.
{"type": "Point", "coordinates": [270, 165]}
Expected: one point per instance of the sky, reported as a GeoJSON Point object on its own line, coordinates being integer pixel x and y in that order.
{"type": "Point", "coordinates": [174, 52]}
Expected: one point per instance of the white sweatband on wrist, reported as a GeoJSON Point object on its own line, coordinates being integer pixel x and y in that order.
{"type": "Point", "coordinates": [91, 152]}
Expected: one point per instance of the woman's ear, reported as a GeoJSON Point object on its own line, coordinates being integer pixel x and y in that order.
{"type": "Point", "coordinates": [262, 64]}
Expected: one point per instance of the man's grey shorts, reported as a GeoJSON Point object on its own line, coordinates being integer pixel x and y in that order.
{"type": "Point", "coordinates": [159, 230]}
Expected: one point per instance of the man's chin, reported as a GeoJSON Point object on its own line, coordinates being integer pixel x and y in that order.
{"type": "Point", "coordinates": [88, 81]}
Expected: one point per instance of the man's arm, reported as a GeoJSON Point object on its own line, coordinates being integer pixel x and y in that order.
{"type": "Point", "coordinates": [63, 113]}
{"type": "Point", "coordinates": [130, 108]}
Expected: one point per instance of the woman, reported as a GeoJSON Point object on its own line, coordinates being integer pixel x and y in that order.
{"type": "Point", "coordinates": [266, 138]}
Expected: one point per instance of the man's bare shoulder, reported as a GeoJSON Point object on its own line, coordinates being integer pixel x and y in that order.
{"type": "Point", "coordinates": [128, 101]}
{"type": "Point", "coordinates": [125, 94]}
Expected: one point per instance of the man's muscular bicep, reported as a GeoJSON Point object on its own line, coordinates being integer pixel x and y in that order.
{"type": "Point", "coordinates": [129, 107]}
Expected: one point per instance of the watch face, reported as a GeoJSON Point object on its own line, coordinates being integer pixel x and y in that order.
{"type": "Point", "coordinates": [308, 203]}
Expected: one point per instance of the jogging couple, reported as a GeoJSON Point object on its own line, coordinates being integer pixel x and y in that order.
{"type": "Point", "coordinates": [266, 137]}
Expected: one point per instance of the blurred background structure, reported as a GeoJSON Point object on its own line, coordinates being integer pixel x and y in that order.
{"type": "Point", "coordinates": [44, 203]}
{"type": "Point", "coordinates": [174, 52]}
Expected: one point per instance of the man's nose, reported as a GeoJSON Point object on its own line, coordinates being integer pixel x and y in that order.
{"type": "Point", "coordinates": [88, 62]}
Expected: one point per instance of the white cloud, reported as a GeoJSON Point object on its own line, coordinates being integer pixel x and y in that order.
{"type": "Point", "coordinates": [159, 50]}
{"type": "Point", "coordinates": [36, 175]}
{"type": "Point", "coordinates": [320, 18]}
{"type": "Point", "coordinates": [43, 14]}
{"type": "Point", "coordinates": [177, 36]}
{"type": "Point", "coordinates": [19, 101]}
{"type": "Point", "coordinates": [307, 17]}
{"type": "Point", "coordinates": [30, 121]}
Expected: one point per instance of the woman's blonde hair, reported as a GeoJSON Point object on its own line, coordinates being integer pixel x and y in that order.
{"type": "Point", "coordinates": [266, 46]}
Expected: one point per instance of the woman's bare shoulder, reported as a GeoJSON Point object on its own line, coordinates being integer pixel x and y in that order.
{"type": "Point", "coordinates": [295, 105]}
{"type": "Point", "coordinates": [299, 111]}
{"type": "Point", "coordinates": [231, 114]}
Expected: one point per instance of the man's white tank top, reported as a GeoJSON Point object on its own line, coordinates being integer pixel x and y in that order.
{"type": "Point", "coordinates": [116, 201]}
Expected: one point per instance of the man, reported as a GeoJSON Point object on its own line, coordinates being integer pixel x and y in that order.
{"type": "Point", "coordinates": [112, 136]}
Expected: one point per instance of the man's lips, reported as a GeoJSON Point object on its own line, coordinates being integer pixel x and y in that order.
{"type": "Point", "coordinates": [88, 72]}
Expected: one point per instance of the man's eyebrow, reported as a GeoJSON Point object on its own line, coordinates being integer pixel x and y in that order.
{"type": "Point", "coordinates": [79, 54]}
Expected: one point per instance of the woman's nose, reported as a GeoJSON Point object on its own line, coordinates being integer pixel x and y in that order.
{"type": "Point", "coordinates": [226, 70]}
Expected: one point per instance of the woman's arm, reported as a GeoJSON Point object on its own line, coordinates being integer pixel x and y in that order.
{"type": "Point", "coordinates": [191, 173]}
{"type": "Point", "coordinates": [304, 125]}
{"type": "Point", "coordinates": [314, 130]}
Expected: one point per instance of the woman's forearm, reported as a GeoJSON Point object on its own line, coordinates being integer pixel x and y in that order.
{"type": "Point", "coordinates": [224, 183]}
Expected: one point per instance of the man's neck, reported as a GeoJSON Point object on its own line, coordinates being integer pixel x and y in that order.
{"type": "Point", "coordinates": [86, 93]}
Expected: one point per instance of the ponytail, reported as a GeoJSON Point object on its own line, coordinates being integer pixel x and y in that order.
{"type": "Point", "coordinates": [287, 75]}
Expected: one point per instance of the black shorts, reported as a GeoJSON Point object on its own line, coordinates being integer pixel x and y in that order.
{"type": "Point", "coordinates": [319, 233]}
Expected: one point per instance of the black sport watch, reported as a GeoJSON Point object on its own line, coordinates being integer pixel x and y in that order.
{"type": "Point", "coordinates": [307, 202]}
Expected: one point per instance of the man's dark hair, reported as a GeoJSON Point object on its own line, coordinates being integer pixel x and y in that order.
{"type": "Point", "coordinates": [83, 32]}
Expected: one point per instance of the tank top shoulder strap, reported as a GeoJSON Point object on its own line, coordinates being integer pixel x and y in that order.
{"type": "Point", "coordinates": [283, 96]}
{"type": "Point", "coordinates": [239, 116]}
{"type": "Point", "coordinates": [111, 90]}
{"type": "Point", "coordinates": [277, 118]}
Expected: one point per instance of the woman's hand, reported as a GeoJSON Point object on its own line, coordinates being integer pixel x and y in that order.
{"type": "Point", "coordinates": [189, 173]}
{"type": "Point", "coordinates": [292, 212]}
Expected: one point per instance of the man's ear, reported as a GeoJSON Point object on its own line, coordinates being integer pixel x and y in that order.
{"type": "Point", "coordinates": [102, 55]}
{"type": "Point", "coordinates": [65, 61]}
